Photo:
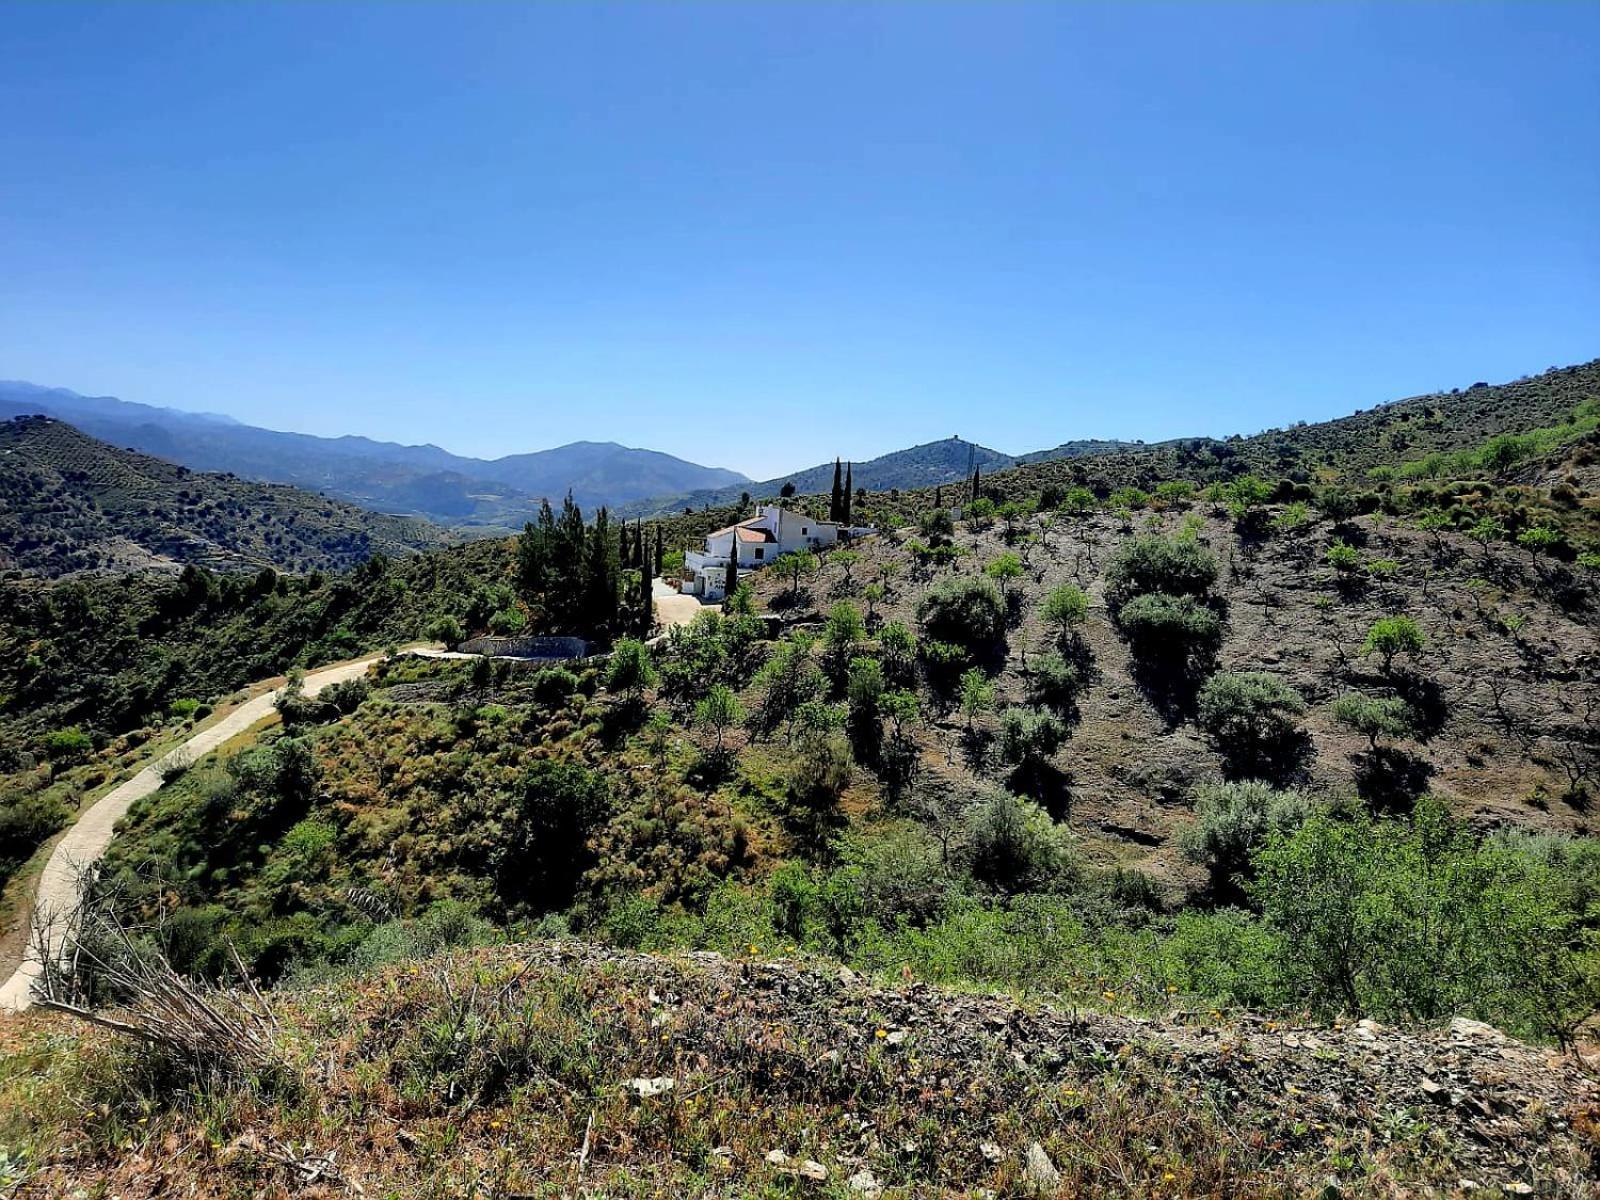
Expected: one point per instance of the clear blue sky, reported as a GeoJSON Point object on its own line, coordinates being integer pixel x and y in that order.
{"type": "Point", "coordinates": [501, 226]}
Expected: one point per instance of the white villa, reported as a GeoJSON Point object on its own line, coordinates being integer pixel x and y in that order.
{"type": "Point", "coordinates": [754, 544]}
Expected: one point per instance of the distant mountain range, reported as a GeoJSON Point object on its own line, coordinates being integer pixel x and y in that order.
{"type": "Point", "coordinates": [69, 502]}
{"type": "Point", "coordinates": [927, 465]}
{"type": "Point", "coordinates": [484, 495]}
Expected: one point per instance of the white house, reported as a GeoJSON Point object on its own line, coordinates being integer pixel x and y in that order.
{"type": "Point", "coordinates": [754, 544]}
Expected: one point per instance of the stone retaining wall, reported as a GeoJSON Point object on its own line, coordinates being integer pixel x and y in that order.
{"type": "Point", "coordinates": [545, 649]}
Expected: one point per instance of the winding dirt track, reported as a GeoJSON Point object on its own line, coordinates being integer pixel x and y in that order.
{"type": "Point", "coordinates": [87, 840]}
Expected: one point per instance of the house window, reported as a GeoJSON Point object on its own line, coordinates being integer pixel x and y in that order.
{"type": "Point", "coordinates": [760, 553]}
{"type": "Point", "coordinates": [804, 531]}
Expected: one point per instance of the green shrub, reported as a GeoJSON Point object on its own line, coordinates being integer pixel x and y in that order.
{"type": "Point", "coordinates": [1373, 717]}
{"type": "Point", "coordinates": [843, 627]}
{"type": "Point", "coordinates": [1252, 718]}
{"type": "Point", "coordinates": [345, 696]}
{"type": "Point", "coordinates": [63, 747]}
{"type": "Point", "coordinates": [27, 819]}
{"type": "Point", "coordinates": [1417, 920]}
{"type": "Point", "coordinates": [1171, 566]}
{"type": "Point", "coordinates": [1029, 737]}
{"type": "Point", "coordinates": [554, 685]}
{"type": "Point", "coordinates": [1054, 683]}
{"type": "Point", "coordinates": [900, 876]}
{"type": "Point", "coordinates": [1391, 636]}
{"type": "Point", "coordinates": [629, 670]}
{"type": "Point", "coordinates": [1231, 822]}
{"type": "Point", "coordinates": [546, 848]}
{"type": "Point", "coordinates": [1174, 634]}
{"type": "Point", "coordinates": [1065, 608]}
{"type": "Point", "coordinates": [968, 612]}
{"type": "Point", "coordinates": [1012, 845]}
{"type": "Point", "coordinates": [446, 925]}
{"type": "Point", "coordinates": [1342, 557]}
{"type": "Point", "coordinates": [446, 629]}
{"type": "Point", "coordinates": [1225, 957]}
{"type": "Point", "coordinates": [508, 622]}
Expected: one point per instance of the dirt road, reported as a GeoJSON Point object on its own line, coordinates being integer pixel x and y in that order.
{"type": "Point", "coordinates": [86, 841]}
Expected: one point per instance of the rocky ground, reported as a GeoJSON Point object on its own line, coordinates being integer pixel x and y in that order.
{"type": "Point", "coordinates": [569, 1069]}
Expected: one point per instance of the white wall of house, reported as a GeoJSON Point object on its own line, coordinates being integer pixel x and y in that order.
{"type": "Point", "coordinates": [707, 569]}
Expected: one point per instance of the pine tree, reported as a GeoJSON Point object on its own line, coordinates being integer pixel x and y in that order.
{"type": "Point", "coordinates": [849, 492]}
{"type": "Point", "coordinates": [836, 503]}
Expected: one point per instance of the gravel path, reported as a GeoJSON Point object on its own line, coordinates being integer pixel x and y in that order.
{"type": "Point", "coordinates": [674, 608]}
{"type": "Point", "coordinates": [87, 840]}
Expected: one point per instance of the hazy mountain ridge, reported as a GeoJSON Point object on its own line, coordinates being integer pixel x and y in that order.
{"type": "Point", "coordinates": [422, 480]}
{"type": "Point", "coordinates": [74, 503]}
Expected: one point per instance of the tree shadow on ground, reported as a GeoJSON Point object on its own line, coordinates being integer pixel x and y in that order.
{"type": "Point", "coordinates": [1046, 784]}
{"type": "Point", "coordinates": [1390, 779]}
{"type": "Point", "coordinates": [976, 746]}
{"type": "Point", "coordinates": [1426, 700]}
{"type": "Point", "coordinates": [1283, 763]}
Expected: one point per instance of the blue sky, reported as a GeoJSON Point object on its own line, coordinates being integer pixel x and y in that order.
{"type": "Point", "coordinates": [501, 226]}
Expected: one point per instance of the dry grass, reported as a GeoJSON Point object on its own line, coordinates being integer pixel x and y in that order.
{"type": "Point", "coordinates": [520, 1072]}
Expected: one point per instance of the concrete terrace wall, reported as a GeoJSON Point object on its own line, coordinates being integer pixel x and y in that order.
{"type": "Point", "coordinates": [542, 648]}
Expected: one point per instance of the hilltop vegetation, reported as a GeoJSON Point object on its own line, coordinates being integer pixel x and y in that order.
{"type": "Point", "coordinates": [918, 466]}
{"type": "Point", "coordinates": [69, 503]}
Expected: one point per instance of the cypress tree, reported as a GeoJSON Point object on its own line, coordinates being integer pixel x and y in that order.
{"type": "Point", "coordinates": [601, 593]}
{"type": "Point", "coordinates": [534, 549]}
{"type": "Point", "coordinates": [567, 584]}
{"type": "Point", "coordinates": [836, 503]}
{"type": "Point", "coordinates": [661, 551]}
{"type": "Point", "coordinates": [938, 496]}
{"type": "Point", "coordinates": [976, 473]}
{"type": "Point", "coordinates": [849, 493]}
{"type": "Point", "coordinates": [730, 581]}
{"type": "Point", "coordinates": [647, 605]}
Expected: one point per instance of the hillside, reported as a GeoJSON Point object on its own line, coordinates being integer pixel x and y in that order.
{"type": "Point", "coordinates": [72, 503]}
{"type": "Point", "coordinates": [1408, 436]}
{"type": "Point", "coordinates": [487, 494]}
{"type": "Point", "coordinates": [525, 1069]}
{"type": "Point", "coordinates": [1273, 781]}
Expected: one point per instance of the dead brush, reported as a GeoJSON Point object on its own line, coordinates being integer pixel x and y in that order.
{"type": "Point", "coordinates": [96, 970]}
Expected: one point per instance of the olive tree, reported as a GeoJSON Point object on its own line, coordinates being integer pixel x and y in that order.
{"type": "Point", "coordinates": [967, 612]}
{"type": "Point", "coordinates": [1392, 636]}
{"type": "Point", "coordinates": [1253, 720]}
{"type": "Point", "coordinates": [1231, 822]}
